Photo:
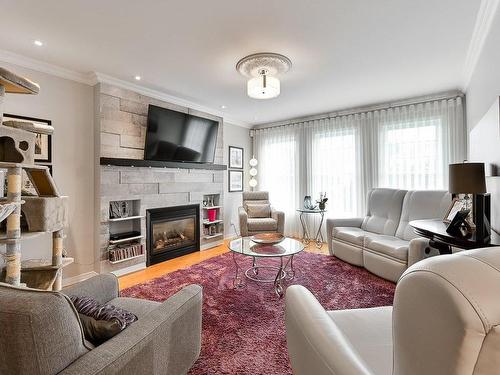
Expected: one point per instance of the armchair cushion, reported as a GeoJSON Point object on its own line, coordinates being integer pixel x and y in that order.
{"type": "Point", "coordinates": [262, 224]}
{"type": "Point", "coordinates": [389, 246]}
{"type": "Point", "coordinates": [258, 210]}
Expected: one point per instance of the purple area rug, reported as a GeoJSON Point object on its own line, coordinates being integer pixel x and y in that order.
{"type": "Point", "coordinates": [244, 329]}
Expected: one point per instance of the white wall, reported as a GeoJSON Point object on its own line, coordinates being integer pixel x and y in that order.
{"type": "Point", "coordinates": [70, 107]}
{"type": "Point", "coordinates": [483, 90]}
{"type": "Point", "coordinates": [240, 137]}
{"type": "Point", "coordinates": [484, 86]}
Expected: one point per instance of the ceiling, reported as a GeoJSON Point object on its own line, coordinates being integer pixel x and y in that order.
{"type": "Point", "coordinates": [345, 53]}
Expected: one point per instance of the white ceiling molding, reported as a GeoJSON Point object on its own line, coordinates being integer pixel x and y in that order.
{"type": "Point", "coordinates": [104, 78]}
{"type": "Point", "coordinates": [92, 78]}
{"type": "Point", "coordinates": [43, 67]}
{"type": "Point", "coordinates": [484, 19]}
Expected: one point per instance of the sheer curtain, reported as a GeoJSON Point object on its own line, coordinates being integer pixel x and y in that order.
{"type": "Point", "coordinates": [406, 147]}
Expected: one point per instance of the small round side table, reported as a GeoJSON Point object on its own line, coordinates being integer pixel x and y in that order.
{"type": "Point", "coordinates": [306, 238]}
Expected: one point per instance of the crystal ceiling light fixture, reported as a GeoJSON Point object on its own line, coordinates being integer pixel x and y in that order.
{"type": "Point", "coordinates": [262, 69]}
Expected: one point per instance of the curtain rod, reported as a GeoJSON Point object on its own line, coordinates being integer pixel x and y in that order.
{"type": "Point", "coordinates": [369, 108]}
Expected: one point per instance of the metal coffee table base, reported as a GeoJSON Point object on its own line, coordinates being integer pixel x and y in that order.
{"type": "Point", "coordinates": [283, 271]}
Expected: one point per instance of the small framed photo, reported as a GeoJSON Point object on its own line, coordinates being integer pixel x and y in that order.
{"type": "Point", "coordinates": [455, 207]}
{"type": "Point", "coordinates": [235, 181]}
{"type": "Point", "coordinates": [43, 142]}
{"type": "Point", "coordinates": [235, 157]}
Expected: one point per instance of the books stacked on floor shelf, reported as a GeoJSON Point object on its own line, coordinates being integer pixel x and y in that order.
{"type": "Point", "coordinates": [125, 252]}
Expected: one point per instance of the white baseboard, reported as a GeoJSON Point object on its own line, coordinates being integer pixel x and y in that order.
{"type": "Point", "coordinates": [126, 270]}
{"type": "Point", "coordinates": [78, 278]}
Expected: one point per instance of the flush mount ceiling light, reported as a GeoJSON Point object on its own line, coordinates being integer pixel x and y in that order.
{"type": "Point", "coordinates": [262, 69]}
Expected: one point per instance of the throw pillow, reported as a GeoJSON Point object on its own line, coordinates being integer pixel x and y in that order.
{"type": "Point", "coordinates": [258, 210]}
{"type": "Point", "coordinates": [99, 331]}
{"type": "Point", "coordinates": [106, 318]}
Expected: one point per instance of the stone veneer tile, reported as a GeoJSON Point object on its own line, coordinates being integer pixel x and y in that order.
{"type": "Point", "coordinates": [147, 175]}
{"type": "Point", "coordinates": [133, 107]}
{"type": "Point", "coordinates": [193, 177]}
{"type": "Point", "coordinates": [120, 127]}
{"type": "Point", "coordinates": [141, 189]}
{"type": "Point", "coordinates": [110, 177]}
{"type": "Point", "coordinates": [110, 102]}
{"type": "Point", "coordinates": [120, 93]}
{"type": "Point", "coordinates": [116, 115]}
{"type": "Point", "coordinates": [132, 141]}
{"type": "Point", "coordinates": [121, 152]}
{"type": "Point", "coordinates": [177, 187]}
{"type": "Point", "coordinates": [109, 139]}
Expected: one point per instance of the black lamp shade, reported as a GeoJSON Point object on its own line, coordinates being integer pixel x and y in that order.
{"type": "Point", "coordinates": [467, 178]}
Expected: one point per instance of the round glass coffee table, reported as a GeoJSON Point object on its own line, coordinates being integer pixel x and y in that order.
{"type": "Point", "coordinates": [285, 250]}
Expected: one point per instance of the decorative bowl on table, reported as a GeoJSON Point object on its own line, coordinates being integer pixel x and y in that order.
{"type": "Point", "coordinates": [267, 238]}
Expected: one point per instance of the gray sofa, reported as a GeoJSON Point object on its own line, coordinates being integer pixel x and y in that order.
{"type": "Point", "coordinates": [383, 241]}
{"type": "Point", "coordinates": [42, 334]}
{"type": "Point", "coordinates": [250, 226]}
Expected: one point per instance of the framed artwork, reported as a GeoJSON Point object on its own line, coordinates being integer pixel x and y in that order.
{"type": "Point", "coordinates": [235, 181]}
{"type": "Point", "coordinates": [43, 142]}
{"type": "Point", "coordinates": [235, 157]}
{"type": "Point", "coordinates": [455, 207]}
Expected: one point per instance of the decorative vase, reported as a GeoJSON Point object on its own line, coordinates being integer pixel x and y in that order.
{"type": "Point", "coordinates": [212, 214]}
{"type": "Point", "coordinates": [322, 205]}
{"type": "Point", "coordinates": [308, 202]}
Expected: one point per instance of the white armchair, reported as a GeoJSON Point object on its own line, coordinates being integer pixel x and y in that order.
{"type": "Point", "coordinates": [444, 322]}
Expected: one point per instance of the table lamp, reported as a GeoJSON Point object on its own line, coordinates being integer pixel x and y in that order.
{"type": "Point", "coordinates": [469, 178]}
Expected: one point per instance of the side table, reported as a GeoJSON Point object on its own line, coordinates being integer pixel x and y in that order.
{"type": "Point", "coordinates": [306, 238]}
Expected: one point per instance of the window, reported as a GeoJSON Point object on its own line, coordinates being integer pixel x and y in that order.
{"type": "Point", "coordinates": [411, 155]}
{"type": "Point", "coordinates": [335, 171]}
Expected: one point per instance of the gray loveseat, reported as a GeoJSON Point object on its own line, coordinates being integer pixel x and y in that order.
{"type": "Point", "coordinates": [42, 334]}
{"type": "Point", "coordinates": [383, 241]}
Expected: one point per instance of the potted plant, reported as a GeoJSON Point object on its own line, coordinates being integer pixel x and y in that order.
{"type": "Point", "coordinates": [322, 201]}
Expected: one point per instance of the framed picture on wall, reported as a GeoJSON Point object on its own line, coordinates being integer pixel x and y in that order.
{"type": "Point", "coordinates": [43, 142]}
{"type": "Point", "coordinates": [235, 157]}
{"type": "Point", "coordinates": [235, 181]}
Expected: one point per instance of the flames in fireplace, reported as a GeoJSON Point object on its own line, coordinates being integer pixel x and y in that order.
{"type": "Point", "coordinates": [173, 234]}
{"type": "Point", "coordinates": [166, 240]}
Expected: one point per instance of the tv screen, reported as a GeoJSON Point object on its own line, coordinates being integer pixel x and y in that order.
{"type": "Point", "coordinates": [177, 136]}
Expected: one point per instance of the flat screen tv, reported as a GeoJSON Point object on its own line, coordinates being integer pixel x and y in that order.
{"type": "Point", "coordinates": [180, 137]}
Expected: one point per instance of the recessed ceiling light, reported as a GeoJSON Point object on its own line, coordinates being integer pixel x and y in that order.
{"type": "Point", "coordinates": [137, 78]}
{"type": "Point", "coordinates": [223, 106]}
{"type": "Point", "coordinates": [38, 43]}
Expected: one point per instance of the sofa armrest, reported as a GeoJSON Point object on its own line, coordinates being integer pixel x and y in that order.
{"type": "Point", "coordinates": [102, 288]}
{"type": "Point", "coordinates": [243, 216]}
{"type": "Point", "coordinates": [420, 249]}
{"type": "Point", "coordinates": [166, 341]}
{"type": "Point", "coordinates": [315, 344]}
{"type": "Point", "coordinates": [279, 216]}
{"type": "Point", "coordinates": [332, 223]}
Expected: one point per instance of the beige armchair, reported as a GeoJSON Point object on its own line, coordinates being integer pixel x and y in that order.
{"type": "Point", "coordinates": [444, 321]}
{"type": "Point", "coordinates": [270, 221]}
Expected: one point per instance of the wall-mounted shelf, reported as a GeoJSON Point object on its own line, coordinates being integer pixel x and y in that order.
{"type": "Point", "coordinates": [126, 259]}
{"type": "Point", "coordinates": [126, 218]}
{"type": "Point", "coordinates": [213, 236]}
{"type": "Point", "coordinates": [211, 207]}
{"type": "Point", "coordinates": [114, 242]}
{"type": "Point", "coordinates": [160, 164]}
{"type": "Point", "coordinates": [206, 222]}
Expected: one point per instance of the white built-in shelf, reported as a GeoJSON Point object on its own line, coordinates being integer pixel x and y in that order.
{"type": "Point", "coordinates": [213, 236]}
{"type": "Point", "coordinates": [126, 218]}
{"type": "Point", "coordinates": [114, 242]}
{"type": "Point", "coordinates": [208, 208]}
{"type": "Point", "coordinates": [206, 222]}
{"type": "Point", "coordinates": [124, 260]}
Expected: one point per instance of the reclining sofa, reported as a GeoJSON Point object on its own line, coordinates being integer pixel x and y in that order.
{"type": "Point", "coordinates": [383, 242]}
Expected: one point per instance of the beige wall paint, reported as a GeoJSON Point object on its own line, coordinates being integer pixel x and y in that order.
{"type": "Point", "coordinates": [70, 107]}
{"type": "Point", "coordinates": [235, 136]}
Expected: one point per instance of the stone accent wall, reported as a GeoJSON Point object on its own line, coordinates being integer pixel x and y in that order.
{"type": "Point", "coordinates": [121, 131]}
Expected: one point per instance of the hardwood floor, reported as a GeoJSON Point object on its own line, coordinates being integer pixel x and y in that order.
{"type": "Point", "coordinates": [185, 261]}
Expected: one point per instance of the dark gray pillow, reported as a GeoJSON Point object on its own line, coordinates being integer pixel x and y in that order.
{"type": "Point", "coordinates": [99, 331]}
{"type": "Point", "coordinates": [90, 307]}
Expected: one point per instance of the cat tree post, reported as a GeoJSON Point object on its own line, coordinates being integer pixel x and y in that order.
{"type": "Point", "coordinates": [13, 247]}
{"type": "Point", "coordinates": [57, 258]}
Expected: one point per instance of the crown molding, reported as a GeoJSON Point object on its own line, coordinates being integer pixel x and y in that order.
{"type": "Point", "coordinates": [44, 67]}
{"type": "Point", "coordinates": [482, 27]}
{"type": "Point", "coordinates": [93, 78]}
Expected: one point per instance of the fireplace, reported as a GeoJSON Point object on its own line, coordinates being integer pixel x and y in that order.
{"type": "Point", "coordinates": [172, 232]}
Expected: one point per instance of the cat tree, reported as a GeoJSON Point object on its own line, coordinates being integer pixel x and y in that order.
{"type": "Point", "coordinates": [46, 212]}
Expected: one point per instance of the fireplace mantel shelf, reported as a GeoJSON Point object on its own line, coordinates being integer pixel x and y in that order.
{"type": "Point", "coordinates": [160, 164]}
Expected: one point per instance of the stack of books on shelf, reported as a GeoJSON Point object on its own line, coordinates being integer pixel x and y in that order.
{"type": "Point", "coordinates": [124, 252]}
